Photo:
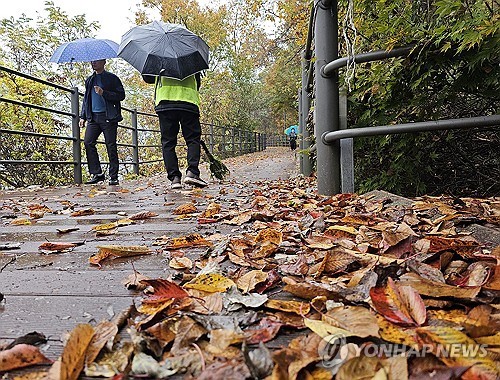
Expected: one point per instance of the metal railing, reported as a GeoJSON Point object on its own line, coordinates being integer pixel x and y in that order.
{"type": "Point", "coordinates": [136, 136]}
{"type": "Point", "coordinates": [334, 145]}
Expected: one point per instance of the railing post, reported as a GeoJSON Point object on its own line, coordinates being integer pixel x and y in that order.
{"type": "Point", "coordinates": [233, 141]}
{"type": "Point", "coordinates": [240, 142]}
{"type": "Point", "coordinates": [135, 141]}
{"type": "Point", "coordinates": [327, 97]}
{"type": "Point", "coordinates": [305, 141]}
{"type": "Point", "coordinates": [224, 129]}
{"type": "Point", "coordinates": [75, 127]}
{"type": "Point", "coordinates": [211, 138]}
{"type": "Point", "coordinates": [346, 148]}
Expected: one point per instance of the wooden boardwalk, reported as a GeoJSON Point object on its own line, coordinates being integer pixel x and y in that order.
{"type": "Point", "coordinates": [52, 293]}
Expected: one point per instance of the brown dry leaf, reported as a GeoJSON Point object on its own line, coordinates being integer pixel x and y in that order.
{"type": "Point", "coordinates": [104, 334]}
{"type": "Point", "coordinates": [270, 235]}
{"type": "Point", "coordinates": [299, 308]}
{"type": "Point", "coordinates": [241, 218]}
{"type": "Point", "coordinates": [72, 360]}
{"type": "Point", "coordinates": [211, 210]}
{"type": "Point", "coordinates": [356, 319]}
{"type": "Point", "coordinates": [361, 367]}
{"type": "Point", "coordinates": [188, 331]}
{"type": "Point", "coordinates": [307, 290]}
{"type": "Point", "coordinates": [56, 247]}
{"type": "Point", "coordinates": [188, 208]}
{"type": "Point", "coordinates": [143, 215]}
{"type": "Point", "coordinates": [111, 363]}
{"type": "Point", "coordinates": [21, 356]}
{"type": "Point", "coordinates": [222, 339]}
{"type": "Point", "coordinates": [319, 242]}
{"type": "Point", "coordinates": [84, 212]}
{"type": "Point", "coordinates": [180, 263]}
{"type": "Point", "coordinates": [249, 281]}
{"type": "Point", "coordinates": [290, 361]}
{"type": "Point", "coordinates": [106, 232]}
{"type": "Point", "coordinates": [21, 222]}
{"type": "Point", "coordinates": [191, 240]}
{"type": "Point", "coordinates": [211, 283]}
{"type": "Point", "coordinates": [436, 289]}
{"type": "Point", "coordinates": [399, 304]}
{"type": "Point", "coordinates": [469, 353]}
{"type": "Point", "coordinates": [66, 230]}
{"type": "Point", "coordinates": [133, 281]}
{"type": "Point", "coordinates": [112, 250]}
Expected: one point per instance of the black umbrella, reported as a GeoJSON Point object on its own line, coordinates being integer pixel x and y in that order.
{"type": "Point", "coordinates": [160, 48]}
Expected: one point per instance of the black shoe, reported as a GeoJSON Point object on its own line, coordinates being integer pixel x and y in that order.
{"type": "Point", "coordinates": [96, 178]}
{"type": "Point", "coordinates": [194, 180]}
{"type": "Point", "coordinates": [114, 182]}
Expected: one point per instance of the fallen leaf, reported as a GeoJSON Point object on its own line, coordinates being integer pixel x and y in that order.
{"type": "Point", "coordinates": [21, 222]}
{"type": "Point", "coordinates": [56, 247]}
{"type": "Point", "coordinates": [211, 210]}
{"type": "Point", "coordinates": [72, 360]}
{"type": "Point", "coordinates": [211, 283]}
{"type": "Point", "coordinates": [164, 290]}
{"type": "Point", "coordinates": [299, 308]}
{"type": "Point", "coordinates": [21, 356]}
{"type": "Point", "coordinates": [143, 215]}
{"type": "Point", "coordinates": [188, 208]}
{"type": "Point", "coordinates": [84, 212]}
{"type": "Point", "coordinates": [106, 251]}
{"type": "Point", "coordinates": [399, 304]}
{"type": "Point", "coordinates": [180, 263]}
{"type": "Point", "coordinates": [249, 281]}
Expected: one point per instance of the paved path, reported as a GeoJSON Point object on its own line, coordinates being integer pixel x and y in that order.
{"type": "Point", "coordinates": [52, 293]}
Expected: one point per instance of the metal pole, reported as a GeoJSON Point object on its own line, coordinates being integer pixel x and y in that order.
{"type": "Point", "coordinates": [327, 98]}
{"type": "Point", "coordinates": [346, 148]}
{"type": "Point", "coordinates": [75, 127]}
{"type": "Point", "coordinates": [305, 142]}
{"type": "Point", "coordinates": [211, 138]}
{"type": "Point", "coordinates": [135, 141]}
{"type": "Point", "coordinates": [240, 141]}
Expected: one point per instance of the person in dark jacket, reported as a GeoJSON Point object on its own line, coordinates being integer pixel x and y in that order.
{"type": "Point", "coordinates": [101, 110]}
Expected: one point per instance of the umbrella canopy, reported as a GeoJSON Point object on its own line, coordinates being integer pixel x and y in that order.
{"type": "Point", "coordinates": [85, 50]}
{"type": "Point", "coordinates": [289, 129]}
{"type": "Point", "coordinates": [165, 49]}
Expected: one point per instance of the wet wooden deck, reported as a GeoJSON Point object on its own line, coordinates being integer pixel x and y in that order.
{"type": "Point", "coordinates": [52, 293]}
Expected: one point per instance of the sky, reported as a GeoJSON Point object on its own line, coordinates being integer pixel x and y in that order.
{"type": "Point", "coordinates": [115, 17]}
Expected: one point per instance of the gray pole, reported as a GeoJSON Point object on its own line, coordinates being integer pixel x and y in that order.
{"type": "Point", "coordinates": [135, 142]}
{"type": "Point", "coordinates": [305, 142]}
{"type": "Point", "coordinates": [327, 98]}
{"type": "Point", "coordinates": [75, 127]}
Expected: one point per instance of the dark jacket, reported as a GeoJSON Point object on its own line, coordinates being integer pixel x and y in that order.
{"type": "Point", "coordinates": [113, 94]}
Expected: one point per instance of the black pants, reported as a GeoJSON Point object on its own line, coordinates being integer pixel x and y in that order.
{"type": "Point", "coordinates": [95, 127]}
{"type": "Point", "coordinates": [189, 123]}
{"type": "Point", "coordinates": [293, 144]}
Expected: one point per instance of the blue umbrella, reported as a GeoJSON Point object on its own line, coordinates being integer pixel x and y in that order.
{"type": "Point", "coordinates": [289, 129]}
{"type": "Point", "coordinates": [85, 50]}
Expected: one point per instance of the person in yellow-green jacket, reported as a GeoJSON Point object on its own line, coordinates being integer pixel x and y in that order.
{"type": "Point", "coordinates": [177, 105]}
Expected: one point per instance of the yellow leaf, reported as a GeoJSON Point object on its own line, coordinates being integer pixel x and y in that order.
{"type": "Point", "coordinates": [125, 222]}
{"type": "Point", "coordinates": [211, 282]}
{"type": "Point", "coordinates": [103, 227]}
{"type": "Point", "coordinates": [20, 222]}
{"type": "Point", "coordinates": [454, 348]}
{"type": "Point", "coordinates": [72, 360]}
{"type": "Point", "coordinates": [325, 330]}
{"type": "Point", "coordinates": [212, 209]}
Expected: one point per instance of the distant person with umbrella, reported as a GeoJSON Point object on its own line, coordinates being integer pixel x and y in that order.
{"type": "Point", "coordinates": [172, 57]}
{"type": "Point", "coordinates": [293, 139]}
{"type": "Point", "coordinates": [101, 110]}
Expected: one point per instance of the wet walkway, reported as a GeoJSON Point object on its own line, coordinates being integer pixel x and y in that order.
{"type": "Point", "coordinates": [52, 293]}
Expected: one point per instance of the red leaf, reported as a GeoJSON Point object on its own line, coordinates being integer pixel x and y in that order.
{"type": "Point", "coordinates": [20, 356]}
{"type": "Point", "coordinates": [399, 304]}
{"type": "Point", "coordinates": [163, 290]}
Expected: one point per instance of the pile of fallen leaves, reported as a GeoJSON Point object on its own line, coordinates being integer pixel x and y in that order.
{"type": "Point", "coordinates": [343, 287]}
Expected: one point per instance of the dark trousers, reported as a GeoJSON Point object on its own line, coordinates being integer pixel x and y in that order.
{"type": "Point", "coordinates": [95, 127]}
{"type": "Point", "coordinates": [191, 131]}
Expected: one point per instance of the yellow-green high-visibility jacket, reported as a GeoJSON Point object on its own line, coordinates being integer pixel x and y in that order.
{"type": "Point", "coordinates": [177, 90]}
